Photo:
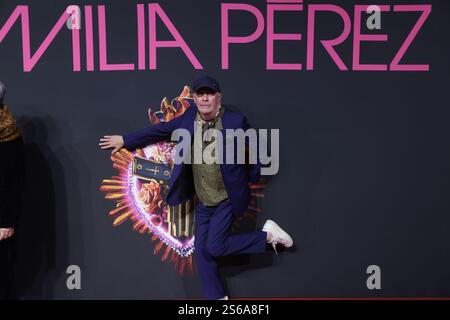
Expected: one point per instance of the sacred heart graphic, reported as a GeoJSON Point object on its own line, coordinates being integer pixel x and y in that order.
{"type": "Point", "coordinates": [140, 187]}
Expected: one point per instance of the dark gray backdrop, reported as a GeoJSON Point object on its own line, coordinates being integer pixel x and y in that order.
{"type": "Point", "coordinates": [364, 174]}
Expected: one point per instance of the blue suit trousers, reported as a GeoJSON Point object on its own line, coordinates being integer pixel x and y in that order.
{"type": "Point", "coordinates": [213, 239]}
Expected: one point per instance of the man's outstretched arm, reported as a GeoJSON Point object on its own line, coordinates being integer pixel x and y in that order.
{"type": "Point", "coordinates": [142, 137]}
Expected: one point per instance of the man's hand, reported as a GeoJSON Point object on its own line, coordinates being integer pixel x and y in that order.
{"type": "Point", "coordinates": [111, 142]}
{"type": "Point", "coordinates": [6, 233]}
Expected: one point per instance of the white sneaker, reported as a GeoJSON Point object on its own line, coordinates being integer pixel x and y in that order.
{"type": "Point", "coordinates": [279, 236]}
{"type": "Point", "coordinates": [224, 298]}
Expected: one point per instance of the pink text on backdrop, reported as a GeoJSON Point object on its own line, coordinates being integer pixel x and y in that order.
{"type": "Point", "coordinates": [265, 21]}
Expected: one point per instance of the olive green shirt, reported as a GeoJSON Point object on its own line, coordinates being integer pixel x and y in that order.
{"type": "Point", "coordinates": [208, 180]}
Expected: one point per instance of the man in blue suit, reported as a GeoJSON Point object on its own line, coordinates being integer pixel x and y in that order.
{"type": "Point", "coordinates": [222, 188]}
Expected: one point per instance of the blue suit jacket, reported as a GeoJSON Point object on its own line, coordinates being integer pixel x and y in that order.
{"type": "Point", "coordinates": [236, 177]}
